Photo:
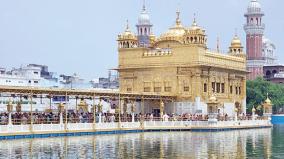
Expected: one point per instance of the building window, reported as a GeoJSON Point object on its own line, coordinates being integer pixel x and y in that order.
{"type": "Point", "coordinates": [147, 89]}
{"type": "Point", "coordinates": [237, 90]}
{"type": "Point", "coordinates": [168, 89]}
{"type": "Point", "coordinates": [218, 87]}
{"type": "Point", "coordinates": [167, 86]}
{"type": "Point", "coordinates": [223, 87]}
{"type": "Point", "coordinates": [36, 73]}
{"type": "Point", "coordinates": [147, 86]}
{"type": "Point", "coordinates": [157, 89]}
{"type": "Point", "coordinates": [231, 89]}
{"type": "Point", "coordinates": [129, 89]}
{"type": "Point", "coordinates": [205, 87]}
{"type": "Point", "coordinates": [186, 88]}
{"type": "Point", "coordinates": [213, 87]}
{"type": "Point", "coordinates": [35, 81]}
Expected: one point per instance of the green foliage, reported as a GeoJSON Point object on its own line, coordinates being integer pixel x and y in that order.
{"type": "Point", "coordinates": [257, 91]}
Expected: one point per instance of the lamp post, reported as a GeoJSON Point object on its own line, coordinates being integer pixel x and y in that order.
{"type": "Point", "coordinates": [100, 110]}
{"type": "Point", "coordinates": [133, 108]}
{"type": "Point", "coordinates": [253, 113]}
{"type": "Point", "coordinates": [10, 109]}
{"type": "Point", "coordinates": [236, 114]}
{"type": "Point", "coordinates": [162, 106]}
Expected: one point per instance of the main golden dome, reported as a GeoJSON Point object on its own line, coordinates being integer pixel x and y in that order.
{"type": "Point", "coordinates": [175, 32]}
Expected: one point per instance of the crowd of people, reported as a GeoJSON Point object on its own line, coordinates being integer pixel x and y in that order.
{"type": "Point", "coordinates": [87, 117]}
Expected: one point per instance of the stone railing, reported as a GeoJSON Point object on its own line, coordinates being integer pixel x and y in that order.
{"type": "Point", "coordinates": [138, 125]}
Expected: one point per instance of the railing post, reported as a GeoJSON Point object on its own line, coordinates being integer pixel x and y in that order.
{"type": "Point", "coordinates": [119, 112]}
{"type": "Point", "coordinates": [66, 111]}
{"type": "Point", "coordinates": [143, 114]}
{"type": "Point", "coordinates": [31, 111]}
{"type": "Point", "coordinates": [94, 113]}
{"type": "Point", "coordinates": [100, 110]}
{"type": "Point", "coordinates": [10, 119]}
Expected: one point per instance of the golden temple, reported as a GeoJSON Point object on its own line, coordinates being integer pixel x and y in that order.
{"type": "Point", "coordinates": [179, 63]}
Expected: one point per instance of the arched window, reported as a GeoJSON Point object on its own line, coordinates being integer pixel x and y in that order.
{"type": "Point", "coordinates": [257, 21]}
{"type": "Point", "coordinates": [195, 39]}
{"type": "Point", "coordinates": [127, 44]}
{"type": "Point", "coordinates": [191, 39]}
{"type": "Point", "coordinates": [145, 31]}
{"type": "Point", "coordinates": [239, 50]}
{"type": "Point", "coordinates": [141, 31]}
{"type": "Point", "coordinates": [268, 73]}
{"type": "Point", "coordinates": [274, 71]}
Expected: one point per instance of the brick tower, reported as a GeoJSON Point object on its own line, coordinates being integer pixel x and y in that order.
{"type": "Point", "coordinates": [254, 29]}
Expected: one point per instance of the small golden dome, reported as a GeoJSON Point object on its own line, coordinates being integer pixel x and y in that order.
{"type": "Point", "coordinates": [194, 25]}
{"type": "Point", "coordinates": [82, 103]}
{"type": "Point", "coordinates": [10, 102]}
{"type": "Point", "coordinates": [127, 34]}
{"type": "Point", "coordinates": [236, 109]}
{"type": "Point", "coordinates": [253, 109]}
{"type": "Point", "coordinates": [268, 101]}
{"type": "Point", "coordinates": [61, 105]}
{"type": "Point", "coordinates": [236, 42]}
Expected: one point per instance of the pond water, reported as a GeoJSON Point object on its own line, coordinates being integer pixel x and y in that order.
{"type": "Point", "coordinates": [252, 143]}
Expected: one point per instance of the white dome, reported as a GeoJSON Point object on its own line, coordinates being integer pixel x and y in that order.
{"type": "Point", "coordinates": [254, 6]}
{"type": "Point", "coordinates": [144, 18]}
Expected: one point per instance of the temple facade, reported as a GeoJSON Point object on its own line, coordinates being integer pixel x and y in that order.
{"type": "Point", "coordinates": [179, 63]}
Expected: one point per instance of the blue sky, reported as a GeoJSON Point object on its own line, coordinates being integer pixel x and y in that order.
{"type": "Point", "coordinates": [80, 35]}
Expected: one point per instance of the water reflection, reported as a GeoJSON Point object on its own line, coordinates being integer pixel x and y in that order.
{"type": "Point", "coordinates": [258, 143]}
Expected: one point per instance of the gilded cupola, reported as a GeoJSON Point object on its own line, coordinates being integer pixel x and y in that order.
{"type": "Point", "coordinates": [176, 32]}
{"type": "Point", "coordinates": [236, 48]}
{"type": "Point", "coordinates": [127, 39]}
{"type": "Point", "coordinates": [195, 35]}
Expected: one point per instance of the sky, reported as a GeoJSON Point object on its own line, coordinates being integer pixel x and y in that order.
{"type": "Point", "coordinates": [79, 36]}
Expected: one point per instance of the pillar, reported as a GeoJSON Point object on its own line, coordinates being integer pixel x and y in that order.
{"type": "Point", "coordinates": [162, 106]}
{"type": "Point", "coordinates": [31, 111]}
{"type": "Point", "coordinates": [253, 113]}
{"type": "Point", "coordinates": [236, 114]}
{"type": "Point", "coordinates": [94, 113]}
{"type": "Point", "coordinates": [100, 110]}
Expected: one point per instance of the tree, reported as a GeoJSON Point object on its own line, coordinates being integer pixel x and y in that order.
{"type": "Point", "coordinates": [257, 91]}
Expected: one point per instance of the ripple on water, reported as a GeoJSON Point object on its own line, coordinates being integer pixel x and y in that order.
{"type": "Point", "coordinates": [257, 143]}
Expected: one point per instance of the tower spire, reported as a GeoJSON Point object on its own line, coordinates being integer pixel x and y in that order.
{"type": "Point", "coordinates": [127, 25]}
{"type": "Point", "coordinates": [218, 44]}
{"type": "Point", "coordinates": [236, 32]}
{"type": "Point", "coordinates": [178, 21]}
{"type": "Point", "coordinates": [144, 6]}
{"type": "Point", "coordinates": [194, 20]}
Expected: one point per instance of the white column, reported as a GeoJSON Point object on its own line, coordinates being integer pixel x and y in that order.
{"type": "Point", "coordinates": [133, 118]}
{"type": "Point", "coordinates": [100, 117]}
{"type": "Point", "coordinates": [61, 118]}
{"type": "Point", "coordinates": [10, 119]}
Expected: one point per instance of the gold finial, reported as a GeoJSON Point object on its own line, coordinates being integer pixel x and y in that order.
{"type": "Point", "coordinates": [236, 32]}
{"type": "Point", "coordinates": [194, 20]}
{"type": "Point", "coordinates": [218, 45]}
{"type": "Point", "coordinates": [178, 21]}
{"type": "Point", "coordinates": [127, 25]}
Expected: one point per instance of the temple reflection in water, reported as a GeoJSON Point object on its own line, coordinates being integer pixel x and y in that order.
{"type": "Point", "coordinates": [228, 144]}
